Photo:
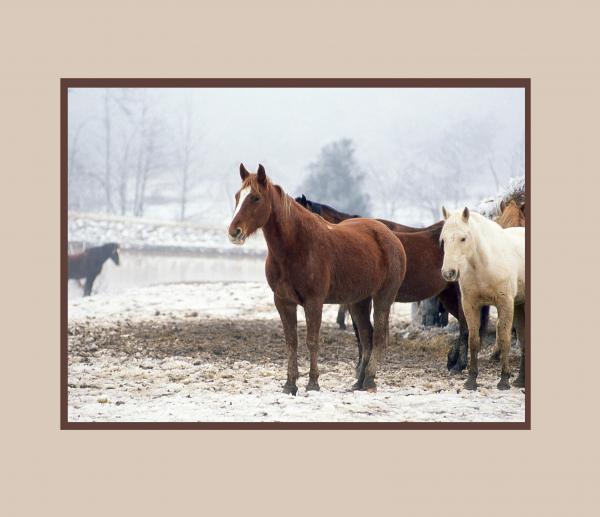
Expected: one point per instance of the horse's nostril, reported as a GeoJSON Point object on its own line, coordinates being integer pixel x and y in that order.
{"type": "Point", "coordinates": [238, 231]}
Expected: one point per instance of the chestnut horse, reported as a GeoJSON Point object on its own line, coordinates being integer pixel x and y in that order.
{"type": "Point", "coordinates": [488, 262]}
{"type": "Point", "coordinates": [88, 264]}
{"type": "Point", "coordinates": [423, 278]}
{"type": "Point", "coordinates": [511, 215]}
{"type": "Point", "coordinates": [311, 262]}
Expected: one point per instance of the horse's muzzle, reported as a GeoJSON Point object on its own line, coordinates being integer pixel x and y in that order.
{"type": "Point", "coordinates": [237, 236]}
{"type": "Point", "coordinates": [450, 275]}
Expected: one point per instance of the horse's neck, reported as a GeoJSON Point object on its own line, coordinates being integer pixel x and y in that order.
{"type": "Point", "coordinates": [283, 227]}
{"type": "Point", "coordinates": [486, 253]}
{"type": "Point", "coordinates": [100, 255]}
{"type": "Point", "coordinates": [336, 215]}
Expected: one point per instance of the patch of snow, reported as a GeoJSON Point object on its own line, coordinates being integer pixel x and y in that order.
{"type": "Point", "coordinates": [148, 234]}
{"type": "Point", "coordinates": [239, 300]}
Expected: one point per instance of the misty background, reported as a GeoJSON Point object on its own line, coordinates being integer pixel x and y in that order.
{"type": "Point", "coordinates": [394, 153]}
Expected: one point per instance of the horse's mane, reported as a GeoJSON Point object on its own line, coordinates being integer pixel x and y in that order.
{"type": "Point", "coordinates": [286, 201]}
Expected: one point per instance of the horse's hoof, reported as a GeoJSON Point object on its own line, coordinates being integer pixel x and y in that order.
{"type": "Point", "coordinates": [519, 382]}
{"type": "Point", "coordinates": [495, 355]}
{"type": "Point", "coordinates": [452, 359]}
{"type": "Point", "coordinates": [290, 390]}
{"type": "Point", "coordinates": [471, 384]}
{"type": "Point", "coordinates": [504, 384]}
{"type": "Point", "coordinates": [369, 385]}
{"type": "Point", "coordinates": [313, 386]}
{"type": "Point", "coordinates": [342, 327]}
{"type": "Point", "coordinates": [358, 386]}
{"type": "Point", "coordinates": [455, 370]}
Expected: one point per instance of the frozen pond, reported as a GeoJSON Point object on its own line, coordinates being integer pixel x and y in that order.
{"type": "Point", "coordinates": [140, 269]}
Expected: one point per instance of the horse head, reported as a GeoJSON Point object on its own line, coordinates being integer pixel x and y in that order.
{"type": "Point", "coordinates": [113, 252]}
{"type": "Point", "coordinates": [511, 214]}
{"type": "Point", "coordinates": [253, 205]}
{"type": "Point", "coordinates": [312, 206]}
{"type": "Point", "coordinates": [457, 242]}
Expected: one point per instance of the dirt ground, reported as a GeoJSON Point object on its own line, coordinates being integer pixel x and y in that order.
{"type": "Point", "coordinates": [220, 369]}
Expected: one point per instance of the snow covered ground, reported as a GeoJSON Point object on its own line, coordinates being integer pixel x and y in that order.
{"type": "Point", "coordinates": [214, 351]}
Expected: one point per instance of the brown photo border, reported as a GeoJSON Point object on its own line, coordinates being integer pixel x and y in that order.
{"type": "Point", "coordinates": [66, 83]}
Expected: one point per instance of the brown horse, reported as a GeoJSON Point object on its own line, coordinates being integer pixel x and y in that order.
{"type": "Point", "coordinates": [423, 279]}
{"type": "Point", "coordinates": [311, 262]}
{"type": "Point", "coordinates": [88, 264]}
{"type": "Point", "coordinates": [511, 215]}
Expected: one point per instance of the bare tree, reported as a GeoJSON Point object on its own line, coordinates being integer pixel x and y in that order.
{"type": "Point", "coordinates": [107, 150]}
{"type": "Point", "coordinates": [185, 155]}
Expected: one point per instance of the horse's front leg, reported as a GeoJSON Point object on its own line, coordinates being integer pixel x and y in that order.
{"type": "Point", "coordinates": [313, 311]}
{"type": "Point", "coordinates": [519, 324]}
{"type": "Point", "coordinates": [288, 314]}
{"type": "Point", "coordinates": [506, 310]}
{"type": "Point", "coordinates": [89, 282]}
{"type": "Point", "coordinates": [472, 315]}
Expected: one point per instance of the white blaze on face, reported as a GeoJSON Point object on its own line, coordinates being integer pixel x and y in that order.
{"type": "Point", "coordinates": [243, 194]}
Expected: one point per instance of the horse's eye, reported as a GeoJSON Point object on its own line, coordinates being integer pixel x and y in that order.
{"type": "Point", "coordinates": [254, 199]}
{"type": "Point", "coordinates": [442, 243]}
{"type": "Point", "coordinates": [463, 239]}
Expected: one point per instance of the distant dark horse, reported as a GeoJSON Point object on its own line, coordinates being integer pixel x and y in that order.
{"type": "Point", "coordinates": [88, 263]}
{"type": "Point", "coordinates": [423, 279]}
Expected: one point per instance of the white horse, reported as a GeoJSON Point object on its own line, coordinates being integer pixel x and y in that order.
{"type": "Point", "coordinates": [489, 263]}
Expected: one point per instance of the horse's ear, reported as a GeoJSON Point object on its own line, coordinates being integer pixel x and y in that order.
{"type": "Point", "coordinates": [261, 175]}
{"type": "Point", "coordinates": [502, 206]}
{"type": "Point", "coordinates": [445, 213]}
{"type": "Point", "coordinates": [465, 214]}
{"type": "Point", "coordinates": [243, 172]}
{"type": "Point", "coordinates": [522, 207]}
{"type": "Point", "coordinates": [303, 199]}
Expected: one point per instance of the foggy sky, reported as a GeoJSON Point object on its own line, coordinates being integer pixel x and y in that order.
{"type": "Point", "coordinates": [284, 129]}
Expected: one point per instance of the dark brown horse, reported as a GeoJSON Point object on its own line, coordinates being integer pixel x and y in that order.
{"type": "Point", "coordinates": [423, 278]}
{"type": "Point", "coordinates": [335, 216]}
{"type": "Point", "coordinates": [311, 262]}
{"type": "Point", "coordinates": [88, 263]}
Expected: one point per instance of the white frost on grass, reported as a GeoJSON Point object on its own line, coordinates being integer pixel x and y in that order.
{"type": "Point", "coordinates": [236, 300]}
{"type": "Point", "coordinates": [177, 390]}
{"type": "Point", "coordinates": [112, 386]}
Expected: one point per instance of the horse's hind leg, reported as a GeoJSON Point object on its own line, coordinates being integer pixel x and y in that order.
{"type": "Point", "coordinates": [287, 313]}
{"type": "Point", "coordinates": [357, 335]}
{"type": "Point", "coordinates": [457, 356]}
{"type": "Point", "coordinates": [503, 335]}
{"type": "Point", "coordinates": [519, 324]}
{"type": "Point", "coordinates": [381, 319]}
{"type": "Point", "coordinates": [341, 317]}
{"type": "Point", "coordinates": [360, 313]}
{"type": "Point", "coordinates": [313, 311]}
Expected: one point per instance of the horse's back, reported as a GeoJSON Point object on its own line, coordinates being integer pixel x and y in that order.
{"type": "Point", "coordinates": [377, 238]}
{"type": "Point", "coordinates": [76, 265]}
